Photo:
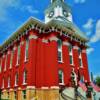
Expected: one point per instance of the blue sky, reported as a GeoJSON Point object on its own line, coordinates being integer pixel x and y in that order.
{"type": "Point", "coordinates": [86, 15]}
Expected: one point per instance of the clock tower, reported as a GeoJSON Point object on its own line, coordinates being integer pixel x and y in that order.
{"type": "Point", "coordinates": [58, 10]}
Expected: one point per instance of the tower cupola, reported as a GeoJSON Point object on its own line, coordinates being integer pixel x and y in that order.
{"type": "Point", "coordinates": [58, 10]}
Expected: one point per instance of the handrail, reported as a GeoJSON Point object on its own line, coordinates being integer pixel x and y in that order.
{"type": "Point", "coordinates": [65, 97]}
{"type": "Point", "coordinates": [80, 95]}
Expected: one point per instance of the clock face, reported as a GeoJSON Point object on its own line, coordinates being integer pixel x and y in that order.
{"type": "Point", "coordinates": [51, 14]}
{"type": "Point", "coordinates": [65, 13]}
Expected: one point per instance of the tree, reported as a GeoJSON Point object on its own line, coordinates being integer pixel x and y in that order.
{"type": "Point", "coordinates": [98, 80]}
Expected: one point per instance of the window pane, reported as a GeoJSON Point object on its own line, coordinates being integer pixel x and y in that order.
{"type": "Point", "coordinates": [24, 94]}
{"type": "Point", "coordinates": [11, 59]}
{"type": "Point", "coordinates": [60, 76]}
{"type": "Point", "coordinates": [80, 62]}
{"type": "Point", "coordinates": [71, 60]}
{"type": "Point", "coordinates": [18, 55]}
{"type": "Point", "coordinates": [59, 50]}
{"type": "Point", "coordinates": [26, 49]}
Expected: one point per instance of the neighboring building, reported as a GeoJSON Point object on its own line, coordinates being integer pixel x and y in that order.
{"type": "Point", "coordinates": [40, 57]}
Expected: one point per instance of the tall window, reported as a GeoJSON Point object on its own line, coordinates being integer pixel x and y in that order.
{"type": "Point", "coordinates": [61, 77]}
{"type": "Point", "coordinates": [80, 57]}
{"type": "Point", "coordinates": [9, 81]}
{"type": "Point", "coordinates": [25, 77]}
{"type": "Point", "coordinates": [5, 66]}
{"type": "Point", "coordinates": [18, 55]}
{"type": "Point", "coordinates": [3, 83]}
{"type": "Point", "coordinates": [16, 79]}
{"type": "Point", "coordinates": [24, 94]}
{"type": "Point", "coordinates": [71, 54]}
{"type": "Point", "coordinates": [59, 51]}
{"type": "Point", "coordinates": [11, 59]}
{"type": "Point", "coordinates": [1, 65]}
{"type": "Point", "coordinates": [26, 49]}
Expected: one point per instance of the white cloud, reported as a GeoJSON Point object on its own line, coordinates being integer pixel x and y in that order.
{"type": "Point", "coordinates": [80, 1]}
{"type": "Point", "coordinates": [96, 36]}
{"type": "Point", "coordinates": [88, 26]}
{"type": "Point", "coordinates": [4, 5]}
{"type": "Point", "coordinates": [90, 50]}
{"type": "Point", "coordinates": [29, 9]}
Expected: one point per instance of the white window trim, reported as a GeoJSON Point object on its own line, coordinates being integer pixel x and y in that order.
{"type": "Point", "coordinates": [1, 65]}
{"type": "Point", "coordinates": [80, 57]}
{"type": "Point", "coordinates": [71, 54]}
{"type": "Point", "coordinates": [62, 78]}
{"type": "Point", "coordinates": [26, 50]}
{"type": "Point", "coordinates": [24, 83]}
{"type": "Point", "coordinates": [17, 63]}
{"type": "Point", "coordinates": [16, 84]}
{"type": "Point", "coordinates": [5, 67]}
{"type": "Point", "coordinates": [60, 50]}
{"type": "Point", "coordinates": [9, 80]}
{"type": "Point", "coordinates": [2, 83]}
{"type": "Point", "coordinates": [11, 58]}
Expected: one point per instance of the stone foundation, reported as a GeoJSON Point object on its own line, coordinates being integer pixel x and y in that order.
{"type": "Point", "coordinates": [32, 94]}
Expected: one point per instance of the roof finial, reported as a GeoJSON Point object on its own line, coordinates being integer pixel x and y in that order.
{"type": "Point", "coordinates": [55, 0]}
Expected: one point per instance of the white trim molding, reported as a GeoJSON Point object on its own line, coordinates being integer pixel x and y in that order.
{"type": "Point", "coordinates": [54, 87]}
{"type": "Point", "coordinates": [44, 40]}
{"type": "Point", "coordinates": [14, 48]}
{"type": "Point", "coordinates": [75, 47]}
{"type": "Point", "coordinates": [22, 43]}
{"type": "Point", "coordinates": [83, 51]}
{"type": "Point", "coordinates": [66, 43]}
{"type": "Point", "coordinates": [54, 38]}
{"type": "Point", "coordinates": [31, 87]}
{"type": "Point", "coordinates": [8, 52]}
{"type": "Point", "coordinates": [44, 87]}
{"type": "Point", "coordinates": [33, 37]}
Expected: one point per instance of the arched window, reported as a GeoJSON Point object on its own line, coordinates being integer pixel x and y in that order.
{"type": "Point", "coordinates": [59, 51]}
{"type": "Point", "coordinates": [61, 77]}
{"type": "Point", "coordinates": [25, 77]}
{"type": "Point", "coordinates": [16, 79]}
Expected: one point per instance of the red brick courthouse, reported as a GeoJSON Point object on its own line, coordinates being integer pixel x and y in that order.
{"type": "Point", "coordinates": [41, 57]}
